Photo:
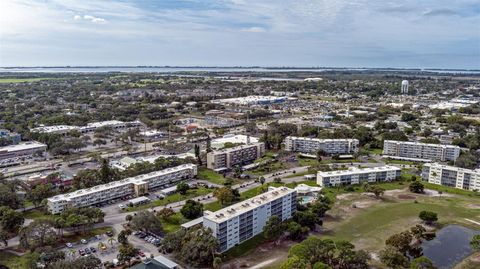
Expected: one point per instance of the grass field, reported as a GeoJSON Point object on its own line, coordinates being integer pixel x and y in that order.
{"type": "Point", "coordinates": [369, 226]}
{"type": "Point", "coordinates": [20, 80]}
{"type": "Point", "coordinates": [210, 176]}
{"type": "Point", "coordinates": [173, 198]}
{"type": "Point", "coordinates": [14, 261]}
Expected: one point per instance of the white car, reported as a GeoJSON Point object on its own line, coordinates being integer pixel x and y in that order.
{"type": "Point", "coordinates": [121, 206]}
{"type": "Point", "coordinates": [69, 245]}
{"type": "Point", "coordinates": [83, 241]}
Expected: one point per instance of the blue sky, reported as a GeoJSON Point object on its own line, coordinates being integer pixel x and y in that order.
{"type": "Point", "coordinates": [337, 33]}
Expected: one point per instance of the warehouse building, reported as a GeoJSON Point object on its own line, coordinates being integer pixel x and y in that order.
{"type": "Point", "coordinates": [417, 151]}
{"type": "Point", "coordinates": [358, 176]}
{"type": "Point", "coordinates": [22, 150]}
{"type": "Point", "coordinates": [329, 146]}
{"type": "Point", "coordinates": [451, 176]}
{"type": "Point", "coordinates": [136, 186]}
{"type": "Point", "coordinates": [237, 223]}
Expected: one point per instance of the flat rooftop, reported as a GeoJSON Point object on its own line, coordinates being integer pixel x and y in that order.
{"type": "Point", "coordinates": [22, 146]}
{"type": "Point", "coordinates": [237, 148]}
{"type": "Point", "coordinates": [423, 144]}
{"type": "Point", "coordinates": [247, 205]}
{"type": "Point", "coordinates": [356, 170]}
{"type": "Point", "coordinates": [438, 165]}
{"type": "Point", "coordinates": [320, 140]}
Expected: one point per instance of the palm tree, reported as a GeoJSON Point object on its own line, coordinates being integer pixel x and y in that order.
{"type": "Point", "coordinates": [111, 240]}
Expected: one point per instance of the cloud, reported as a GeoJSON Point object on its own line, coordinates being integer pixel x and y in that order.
{"type": "Point", "coordinates": [440, 12]}
{"type": "Point", "coordinates": [90, 18]}
{"type": "Point", "coordinates": [254, 29]}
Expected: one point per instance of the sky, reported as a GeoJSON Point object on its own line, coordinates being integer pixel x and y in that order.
{"type": "Point", "coordinates": [295, 33]}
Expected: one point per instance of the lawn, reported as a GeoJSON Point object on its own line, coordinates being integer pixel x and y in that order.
{"type": "Point", "coordinates": [210, 176]}
{"type": "Point", "coordinates": [369, 227]}
{"type": "Point", "coordinates": [172, 224]}
{"type": "Point", "coordinates": [192, 193]}
{"type": "Point", "coordinates": [37, 214]}
{"type": "Point", "coordinates": [245, 247]}
{"type": "Point", "coordinates": [375, 151]}
{"type": "Point", "coordinates": [392, 161]}
{"type": "Point", "coordinates": [13, 261]}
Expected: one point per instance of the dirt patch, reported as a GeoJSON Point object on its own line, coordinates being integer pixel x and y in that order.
{"type": "Point", "coordinates": [256, 259]}
{"type": "Point", "coordinates": [473, 206]}
{"type": "Point", "coordinates": [405, 197]}
{"type": "Point", "coordinates": [363, 204]}
{"type": "Point", "coordinates": [346, 196]}
{"type": "Point", "coordinates": [434, 193]}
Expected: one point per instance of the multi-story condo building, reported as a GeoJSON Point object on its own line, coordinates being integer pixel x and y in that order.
{"type": "Point", "coordinates": [451, 176]}
{"type": "Point", "coordinates": [358, 175]}
{"type": "Point", "coordinates": [237, 223]}
{"type": "Point", "coordinates": [11, 137]}
{"type": "Point", "coordinates": [420, 151]}
{"type": "Point", "coordinates": [22, 150]}
{"type": "Point", "coordinates": [136, 186]}
{"type": "Point", "coordinates": [312, 145]}
{"type": "Point", "coordinates": [227, 158]}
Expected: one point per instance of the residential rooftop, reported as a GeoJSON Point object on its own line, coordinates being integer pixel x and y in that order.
{"type": "Point", "coordinates": [355, 170]}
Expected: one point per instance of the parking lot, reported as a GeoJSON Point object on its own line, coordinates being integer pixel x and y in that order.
{"type": "Point", "coordinates": [105, 247]}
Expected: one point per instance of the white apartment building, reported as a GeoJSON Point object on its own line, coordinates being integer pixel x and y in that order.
{"type": "Point", "coordinates": [239, 155]}
{"type": "Point", "coordinates": [420, 151]}
{"type": "Point", "coordinates": [136, 186]}
{"type": "Point", "coordinates": [237, 223]}
{"type": "Point", "coordinates": [312, 145]}
{"type": "Point", "coordinates": [22, 150]}
{"type": "Point", "coordinates": [451, 176]}
{"type": "Point", "coordinates": [358, 175]}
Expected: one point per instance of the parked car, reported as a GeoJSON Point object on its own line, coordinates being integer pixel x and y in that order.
{"type": "Point", "coordinates": [93, 249]}
{"type": "Point", "coordinates": [81, 252]}
{"type": "Point", "coordinates": [87, 251]}
{"type": "Point", "coordinates": [109, 233]}
{"type": "Point", "coordinates": [69, 245]}
{"type": "Point", "coordinates": [83, 241]}
{"type": "Point", "coordinates": [141, 254]}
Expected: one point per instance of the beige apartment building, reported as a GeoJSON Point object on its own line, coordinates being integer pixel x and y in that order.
{"type": "Point", "coordinates": [228, 158]}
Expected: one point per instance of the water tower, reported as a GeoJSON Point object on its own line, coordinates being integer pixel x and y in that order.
{"type": "Point", "coordinates": [404, 87]}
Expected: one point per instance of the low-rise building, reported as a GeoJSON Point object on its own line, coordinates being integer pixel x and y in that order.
{"type": "Point", "coordinates": [22, 150]}
{"type": "Point", "coordinates": [11, 137]}
{"type": "Point", "coordinates": [451, 176]}
{"type": "Point", "coordinates": [90, 127]}
{"type": "Point", "coordinates": [237, 223]}
{"type": "Point", "coordinates": [136, 186]}
{"type": "Point", "coordinates": [420, 151]}
{"type": "Point", "coordinates": [239, 155]}
{"type": "Point", "coordinates": [358, 176]}
{"type": "Point", "coordinates": [312, 145]}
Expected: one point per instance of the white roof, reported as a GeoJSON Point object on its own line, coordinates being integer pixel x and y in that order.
{"type": "Point", "coordinates": [356, 170]}
{"type": "Point", "coordinates": [22, 146]}
{"type": "Point", "coordinates": [247, 205]}
{"type": "Point", "coordinates": [465, 170]}
{"type": "Point", "coordinates": [321, 140]}
{"type": "Point", "coordinates": [420, 143]}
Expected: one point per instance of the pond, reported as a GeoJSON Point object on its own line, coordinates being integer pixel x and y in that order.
{"type": "Point", "coordinates": [450, 246]}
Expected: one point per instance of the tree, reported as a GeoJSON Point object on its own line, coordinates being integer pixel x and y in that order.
{"type": "Point", "coordinates": [122, 237]}
{"type": "Point", "coordinates": [475, 243]}
{"type": "Point", "coordinates": [261, 180]}
{"type": "Point", "coordinates": [197, 154]}
{"type": "Point", "coordinates": [183, 188]}
{"type": "Point", "coordinates": [217, 263]}
{"type": "Point", "coordinates": [296, 231]}
{"type": "Point", "coordinates": [4, 236]}
{"type": "Point", "coordinates": [126, 252]}
{"type": "Point", "coordinates": [273, 228]}
{"type": "Point", "coordinates": [306, 218]}
{"type": "Point", "coordinates": [428, 217]}
{"type": "Point", "coordinates": [8, 197]}
{"type": "Point", "coordinates": [224, 195]}
{"type": "Point", "coordinates": [10, 220]}
{"type": "Point", "coordinates": [86, 262]}
{"type": "Point", "coordinates": [294, 263]}
{"type": "Point", "coordinates": [377, 190]}
{"type": "Point", "coordinates": [400, 241]}
{"type": "Point", "coordinates": [165, 213]}
{"type": "Point", "coordinates": [128, 218]}
{"type": "Point", "coordinates": [422, 263]}
{"type": "Point", "coordinates": [194, 246]}
{"type": "Point", "coordinates": [192, 209]}
{"type": "Point", "coordinates": [321, 265]}
{"type": "Point", "coordinates": [39, 193]}
{"type": "Point", "coordinates": [39, 233]}
{"type": "Point", "coordinates": [418, 231]}
{"type": "Point", "coordinates": [393, 258]}
{"type": "Point", "coordinates": [416, 187]}
{"type": "Point", "coordinates": [147, 221]}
